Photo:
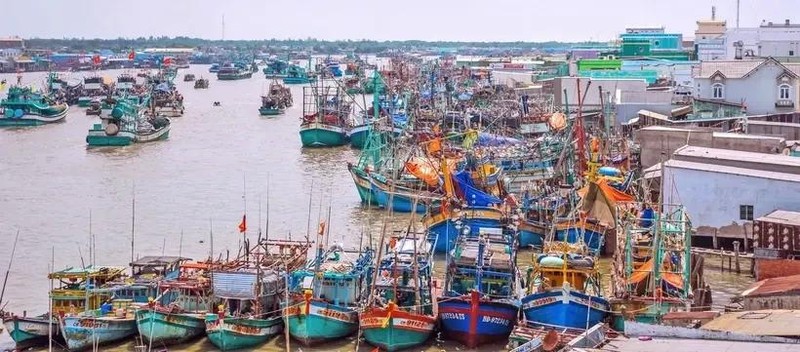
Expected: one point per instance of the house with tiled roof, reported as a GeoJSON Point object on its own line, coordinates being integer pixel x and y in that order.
{"type": "Point", "coordinates": [763, 86]}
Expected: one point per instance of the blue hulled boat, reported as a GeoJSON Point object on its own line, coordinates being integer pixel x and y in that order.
{"type": "Point", "coordinates": [479, 304]}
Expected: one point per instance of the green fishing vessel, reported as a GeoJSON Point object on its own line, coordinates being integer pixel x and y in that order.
{"type": "Point", "coordinates": [25, 107]}
{"type": "Point", "coordinates": [325, 117]}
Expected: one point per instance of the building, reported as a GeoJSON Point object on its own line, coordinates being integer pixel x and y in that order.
{"type": "Point", "coordinates": [725, 190]}
{"type": "Point", "coordinates": [653, 43]}
{"type": "Point", "coordinates": [779, 40]}
{"type": "Point", "coordinates": [11, 47]}
{"type": "Point", "coordinates": [776, 243]}
{"type": "Point", "coordinates": [556, 87]}
{"type": "Point", "coordinates": [764, 86]}
{"type": "Point", "coordinates": [709, 38]}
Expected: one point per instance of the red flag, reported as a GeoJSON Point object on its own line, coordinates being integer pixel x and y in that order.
{"type": "Point", "coordinates": [167, 60]}
{"type": "Point", "coordinates": [96, 59]}
{"type": "Point", "coordinates": [132, 55]}
{"type": "Point", "coordinates": [243, 224]}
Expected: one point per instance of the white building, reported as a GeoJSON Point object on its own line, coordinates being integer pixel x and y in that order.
{"type": "Point", "coordinates": [724, 189]}
{"type": "Point", "coordinates": [767, 40]}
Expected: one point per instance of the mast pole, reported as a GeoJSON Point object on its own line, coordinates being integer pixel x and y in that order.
{"type": "Point", "coordinates": [133, 223]}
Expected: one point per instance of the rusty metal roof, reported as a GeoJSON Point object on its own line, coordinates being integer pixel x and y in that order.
{"type": "Point", "coordinates": [773, 322]}
{"type": "Point", "coordinates": [774, 286]}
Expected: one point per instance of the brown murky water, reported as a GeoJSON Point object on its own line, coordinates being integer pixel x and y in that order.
{"type": "Point", "coordinates": [192, 183]}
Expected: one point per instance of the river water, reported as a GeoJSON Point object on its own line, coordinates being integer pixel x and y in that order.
{"type": "Point", "coordinates": [214, 167]}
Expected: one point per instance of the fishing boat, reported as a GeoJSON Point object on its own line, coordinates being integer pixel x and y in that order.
{"type": "Point", "coordinates": [479, 304]}
{"type": "Point", "coordinates": [188, 77]}
{"type": "Point", "coordinates": [128, 124]}
{"type": "Point", "coordinates": [276, 100]}
{"type": "Point", "coordinates": [179, 315]}
{"type": "Point", "coordinates": [297, 75]}
{"type": "Point", "coordinates": [234, 72]}
{"type": "Point", "coordinates": [325, 117]}
{"type": "Point", "coordinates": [326, 294]}
{"type": "Point", "coordinates": [214, 68]}
{"type": "Point", "coordinates": [201, 83]}
{"type": "Point", "coordinates": [653, 270]}
{"type": "Point", "coordinates": [401, 315]}
{"type": "Point", "coordinates": [251, 295]}
{"type": "Point", "coordinates": [25, 107]}
{"type": "Point", "coordinates": [401, 198]}
{"type": "Point", "coordinates": [93, 88]}
{"type": "Point", "coordinates": [61, 90]}
{"type": "Point", "coordinates": [165, 100]}
{"type": "Point", "coordinates": [31, 331]}
{"type": "Point", "coordinates": [276, 69]}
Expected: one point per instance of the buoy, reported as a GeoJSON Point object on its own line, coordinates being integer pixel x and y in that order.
{"type": "Point", "coordinates": [18, 113]}
{"type": "Point", "coordinates": [9, 113]}
{"type": "Point", "coordinates": [112, 129]}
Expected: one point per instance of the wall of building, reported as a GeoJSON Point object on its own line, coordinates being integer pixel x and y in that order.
{"type": "Point", "coordinates": [759, 91]}
{"type": "Point", "coordinates": [592, 99]}
{"type": "Point", "coordinates": [761, 41]}
{"type": "Point", "coordinates": [712, 199]}
{"type": "Point", "coordinates": [769, 268]}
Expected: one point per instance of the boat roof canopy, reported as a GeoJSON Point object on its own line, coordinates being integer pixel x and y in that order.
{"type": "Point", "coordinates": [158, 261]}
{"type": "Point", "coordinates": [89, 271]}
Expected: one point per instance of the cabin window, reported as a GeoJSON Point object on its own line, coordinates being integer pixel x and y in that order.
{"type": "Point", "coordinates": [784, 92]}
{"type": "Point", "coordinates": [718, 91]}
{"type": "Point", "coordinates": [746, 212]}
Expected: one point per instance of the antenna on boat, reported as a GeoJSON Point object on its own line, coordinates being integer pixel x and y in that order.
{"type": "Point", "coordinates": [8, 270]}
{"type": "Point", "coordinates": [180, 245]}
{"type": "Point", "coordinates": [308, 222]}
{"type": "Point", "coordinates": [133, 221]}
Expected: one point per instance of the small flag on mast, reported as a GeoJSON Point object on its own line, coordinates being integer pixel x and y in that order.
{"type": "Point", "coordinates": [243, 224]}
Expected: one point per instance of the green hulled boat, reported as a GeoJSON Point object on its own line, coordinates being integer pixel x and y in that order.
{"type": "Point", "coordinates": [25, 107]}
{"type": "Point", "coordinates": [231, 333]}
{"type": "Point", "coordinates": [297, 75]}
{"type": "Point", "coordinates": [161, 326]}
{"type": "Point", "coordinates": [93, 88]}
{"type": "Point", "coordinates": [128, 124]}
{"type": "Point", "coordinates": [317, 134]}
{"type": "Point", "coordinates": [325, 117]}
{"type": "Point", "coordinates": [276, 100]}
{"type": "Point", "coordinates": [232, 73]}
{"type": "Point", "coordinates": [326, 294]}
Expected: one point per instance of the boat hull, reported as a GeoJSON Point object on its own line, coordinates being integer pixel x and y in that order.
{"type": "Point", "coordinates": [362, 186]}
{"type": "Point", "coordinates": [396, 330]}
{"type": "Point", "coordinates": [296, 80]}
{"type": "Point", "coordinates": [168, 328]}
{"type": "Point", "coordinates": [402, 201]}
{"type": "Point", "coordinates": [82, 333]}
{"type": "Point", "coordinates": [269, 111]}
{"type": "Point", "coordinates": [321, 135]}
{"type": "Point", "coordinates": [531, 235]}
{"type": "Point", "coordinates": [30, 332]}
{"type": "Point", "coordinates": [358, 136]}
{"type": "Point", "coordinates": [564, 308]}
{"type": "Point", "coordinates": [239, 333]}
{"type": "Point", "coordinates": [443, 233]}
{"type": "Point", "coordinates": [473, 322]}
{"type": "Point", "coordinates": [27, 120]}
{"type": "Point", "coordinates": [97, 137]}
{"type": "Point", "coordinates": [316, 322]}
{"type": "Point", "coordinates": [592, 236]}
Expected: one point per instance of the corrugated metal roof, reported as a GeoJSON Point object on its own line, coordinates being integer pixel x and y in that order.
{"type": "Point", "coordinates": [772, 322]}
{"type": "Point", "coordinates": [782, 217]}
{"type": "Point", "coordinates": [774, 286]}
{"type": "Point", "coordinates": [234, 285]}
{"type": "Point", "coordinates": [780, 176]}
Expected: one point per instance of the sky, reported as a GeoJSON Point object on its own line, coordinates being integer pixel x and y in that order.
{"type": "Point", "coordinates": [450, 20]}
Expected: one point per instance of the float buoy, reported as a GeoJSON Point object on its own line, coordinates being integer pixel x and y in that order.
{"type": "Point", "coordinates": [112, 129]}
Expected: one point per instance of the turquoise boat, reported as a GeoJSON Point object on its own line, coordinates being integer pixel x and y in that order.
{"type": "Point", "coordinates": [276, 100]}
{"type": "Point", "coordinates": [93, 88]}
{"type": "Point", "coordinates": [325, 117]}
{"type": "Point", "coordinates": [164, 327]}
{"type": "Point", "coordinates": [30, 332]}
{"type": "Point", "coordinates": [240, 333]}
{"type": "Point", "coordinates": [95, 329]}
{"type": "Point", "coordinates": [297, 75]}
{"type": "Point", "coordinates": [179, 316]}
{"type": "Point", "coordinates": [401, 316]}
{"type": "Point", "coordinates": [25, 107]}
{"type": "Point", "coordinates": [327, 293]}
{"type": "Point", "coordinates": [128, 124]}
{"type": "Point", "coordinates": [361, 180]}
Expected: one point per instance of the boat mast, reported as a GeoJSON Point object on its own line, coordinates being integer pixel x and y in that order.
{"type": "Point", "coordinates": [133, 223]}
{"type": "Point", "coordinates": [8, 270]}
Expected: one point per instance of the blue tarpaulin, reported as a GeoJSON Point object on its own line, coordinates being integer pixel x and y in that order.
{"type": "Point", "coordinates": [488, 139]}
{"type": "Point", "coordinates": [472, 195]}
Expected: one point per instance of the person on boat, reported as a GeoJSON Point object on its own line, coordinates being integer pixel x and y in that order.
{"type": "Point", "coordinates": [106, 308]}
{"type": "Point", "coordinates": [646, 216]}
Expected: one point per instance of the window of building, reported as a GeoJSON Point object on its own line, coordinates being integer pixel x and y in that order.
{"type": "Point", "coordinates": [784, 92]}
{"type": "Point", "coordinates": [791, 52]}
{"type": "Point", "coordinates": [718, 91]}
{"type": "Point", "coordinates": [746, 212]}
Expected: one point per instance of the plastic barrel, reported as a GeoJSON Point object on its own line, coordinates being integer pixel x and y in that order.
{"type": "Point", "coordinates": [112, 129]}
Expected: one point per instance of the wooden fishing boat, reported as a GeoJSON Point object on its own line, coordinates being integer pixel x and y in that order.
{"type": "Point", "coordinates": [188, 77]}
{"type": "Point", "coordinates": [179, 315]}
{"type": "Point", "coordinates": [401, 198]}
{"type": "Point", "coordinates": [128, 124]}
{"type": "Point", "coordinates": [28, 332]}
{"type": "Point", "coordinates": [252, 294]}
{"type": "Point", "coordinates": [276, 100]}
{"type": "Point", "coordinates": [325, 117]}
{"type": "Point", "coordinates": [297, 75]}
{"type": "Point", "coordinates": [326, 294]}
{"type": "Point", "coordinates": [402, 315]}
{"type": "Point", "coordinates": [234, 72]}
{"type": "Point", "coordinates": [93, 88]}
{"type": "Point", "coordinates": [479, 304]}
{"type": "Point", "coordinates": [25, 107]}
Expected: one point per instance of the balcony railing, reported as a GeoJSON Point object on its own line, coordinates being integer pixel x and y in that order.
{"type": "Point", "coordinates": [784, 103]}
